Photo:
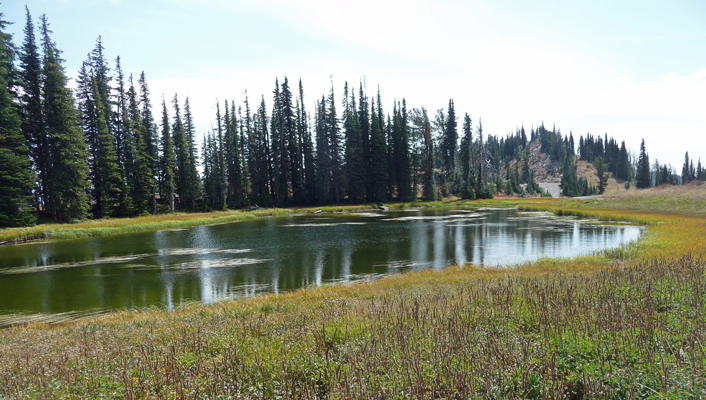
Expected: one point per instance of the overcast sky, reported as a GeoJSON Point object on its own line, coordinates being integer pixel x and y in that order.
{"type": "Point", "coordinates": [633, 69]}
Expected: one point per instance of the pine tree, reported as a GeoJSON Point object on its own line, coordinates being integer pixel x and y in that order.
{"type": "Point", "coordinates": [467, 160]}
{"type": "Point", "coordinates": [181, 153]}
{"type": "Point", "coordinates": [378, 153]}
{"type": "Point", "coordinates": [335, 148]}
{"type": "Point", "coordinates": [429, 192]}
{"type": "Point", "coordinates": [124, 142]}
{"type": "Point", "coordinates": [16, 177]}
{"type": "Point", "coordinates": [192, 176]}
{"type": "Point", "coordinates": [142, 175]}
{"type": "Point", "coordinates": [66, 199]}
{"type": "Point", "coordinates": [354, 157]}
{"type": "Point", "coordinates": [33, 129]}
{"type": "Point", "coordinates": [232, 156]}
{"type": "Point", "coordinates": [685, 170]}
{"type": "Point", "coordinates": [148, 130]}
{"type": "Point", "coordinates": [643, 177]}
{"type": "Point", "coordinates": [601, 173]}
{"type": "Point", "coordinates": [167, 161]}
{"type": "Point", "coordinates": [307, 149]}
{"type": "Point", "coordinates": [323, 154]}
{"type": "Point", "coordinates": [448, 149]}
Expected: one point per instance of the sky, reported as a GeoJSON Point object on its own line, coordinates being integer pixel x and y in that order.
{"type": "Point", "coordinates": [631, 69]}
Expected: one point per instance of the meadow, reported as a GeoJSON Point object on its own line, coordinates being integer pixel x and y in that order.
{"type": "Point", "coordinates": [622, 324]}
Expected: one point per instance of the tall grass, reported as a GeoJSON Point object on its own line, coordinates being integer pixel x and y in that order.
{"type": "Point", "coordinates": [632, 332]}
{"type": "Point", "coordinates": [621, 326]}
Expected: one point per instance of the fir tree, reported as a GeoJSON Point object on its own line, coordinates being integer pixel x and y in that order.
{"type": "Point", "coordinates": [33, 129]}
{"type": "Point", "coordinates": [232, 156]}
{"type": "Point", "coordinates": [644, 180]}
{"type": "Point", "coordinates": [191, 174]}
{"type": "Point", "coordinates": [467, 160]}
{"type": "Point", "coordinates": [148, 130]}
{"type": "Point", "coordinates": [66, 199]}
{"type": "Point", "coordinates": [307, 148]}
{"type": "Point", "coordinates": [378, 153]}
{"type": "Point", "coordinates": [142, 175]}
{"type": "Point", "coordinates": [16, 177]}
{"type": "Point", "coordinates": [448, 145]}
{"type": "Point", "coordinates": [354, 164]}
{"type": "Point", "coordinates": [167, 161]}
{"type": "Point", "coordinates": [429, 192]}
{"type": "Point", "coordinates": [181, 153]}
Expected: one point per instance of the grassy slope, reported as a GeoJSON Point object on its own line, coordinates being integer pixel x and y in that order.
{"type": "Point", "coordinates": [624, 324]}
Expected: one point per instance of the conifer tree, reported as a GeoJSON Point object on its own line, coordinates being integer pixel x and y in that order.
{"type": "Point", "coordinates": [335, 146]}
{"type": "Point", "coordinates": [16, 177]}
{"type": "Point", "coordinates": [167, 161]}
{"type": "Point", "coordinates": [354, 156]}
{"type": "Point", "coordinates": [191, 174]}
{"type": "Point", "coordinates": [644, 180]}
{"type": "Point", "coordinates": [66, 199]}
{"type": "Point", "coordinates": [232, 156]}
{"type": "Point", "coordinates": [148, 130]}
{"type": "Point", "coordinates": [181, 153]}
{"type": "Point", "coordinates": [307, 148]}
{"type": "Point", "coordinates": [686, 170]}
{"type": "Point", "coordinates": [33, 129]}
{"type": "Point", "coordinates": [142, 176]}
{"type": "Point", "coordinates": [378, 153]}
{"type": "Point", "coordinates": [323, 154]}
{"type": "Point", "coordinates": [466, 155]}
{"type": "Point", "coordinates": [448, 143]}
{"type": "Point", "coordinates": [429, 192]}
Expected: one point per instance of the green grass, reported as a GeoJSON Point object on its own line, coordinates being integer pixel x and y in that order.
{"type": "Point", "coordinates": [105, 227]}
{"type": "Point", "coordinates": [623, 326]}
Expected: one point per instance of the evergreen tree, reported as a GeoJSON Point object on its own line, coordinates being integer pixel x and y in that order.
{"type": "Point", "coordinates": [167, 161]}
{"type": "Point", "coordinates": [323, 154]}
{"type": "Point", "coordinates": [148, 131]}
{"type": "Point", "coordinates": [644, 180]}
{"type": "Point", "coordinates": [448, 149]}
{"type": "Point", "coordinates": [429, 192]}
{"type": "Point", "coordinates": [181, 153]}
{"type": "Point", "coordinates": [335, 148]}
{"type": "Point", "coordinates": [601, 173]}
{"type": "Point", "coordinates": [399, 134]}
{"type": "Point", "coordinates": [16, 177]}
{"type": "Point", "coordinates": [467, 160]}
{"type": "Point", "coordinates": [191, 175]}
{"type": "Point", "coordinates": [124, 142]}
{"type": "Point", "coordinates": [219, 171]}
{"type": "Point", "coordinates": [66, 199]}
{"type": "Point", "coordinates": [355, 163]}
{"type": "Point", "coordinates": [232, 155]}
{"type": "Point", "coordinates": [142, 176]}
{"type": "Point", "coordinates": [33, 129]}
{"type": "Point", "coordinates": [378, 152]}
{"type": "Point", "coordinates": [686, 170]}
{"type": "Point", "coordinates": [307, 148]}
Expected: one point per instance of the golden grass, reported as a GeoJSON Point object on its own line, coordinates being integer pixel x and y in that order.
{"type": "Point", "coordinates": [618, 324]}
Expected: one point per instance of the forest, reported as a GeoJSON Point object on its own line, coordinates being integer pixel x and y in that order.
{"type": "Point", "coordinates": [102, 149]}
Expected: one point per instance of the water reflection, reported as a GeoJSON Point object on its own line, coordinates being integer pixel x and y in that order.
{"type": "Point", "coordinates": [208, 263]}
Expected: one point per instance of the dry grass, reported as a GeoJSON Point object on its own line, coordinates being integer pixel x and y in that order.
{"type": "Point", "coordinates": [622, 324]}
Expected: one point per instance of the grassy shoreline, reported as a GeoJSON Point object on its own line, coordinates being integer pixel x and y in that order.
{"type": "Point", "coordinates": [610, 325]}
{"type": "Point", "coordinates": [105, 227]}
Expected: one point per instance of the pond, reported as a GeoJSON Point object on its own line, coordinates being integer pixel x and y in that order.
{"type": "Point", "coordinates": [208, 263]}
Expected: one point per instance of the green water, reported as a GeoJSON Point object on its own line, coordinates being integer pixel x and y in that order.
{"type": "Point", "coordinates": [208, 263]}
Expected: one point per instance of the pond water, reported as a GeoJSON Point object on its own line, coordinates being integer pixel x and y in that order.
{"type": "Point", "coordinates": [208, 263]}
